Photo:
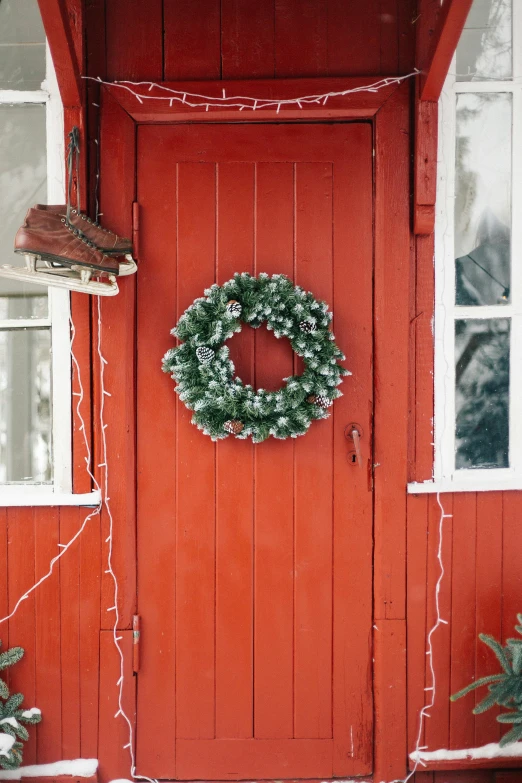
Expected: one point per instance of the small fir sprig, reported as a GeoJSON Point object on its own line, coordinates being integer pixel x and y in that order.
{"type": "Point", "coordinates": [505, 687]}
{"type": "Point", "coordinates": [12, 715]}
{"type": "Point", "coordinates": [204, 372]}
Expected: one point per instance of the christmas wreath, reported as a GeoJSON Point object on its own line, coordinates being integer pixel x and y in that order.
{"type": "Point", "coordinates": [223, 405]}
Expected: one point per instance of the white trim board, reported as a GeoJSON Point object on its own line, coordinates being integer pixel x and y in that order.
{"type": "Point", "coordinates": [434, 487]}
{"type": "Point", "coordinates": [20, 495]}
{"type": "Point", "coordinates": [445, 476]}
{"type": "Point", "coordinates": [58, 311]}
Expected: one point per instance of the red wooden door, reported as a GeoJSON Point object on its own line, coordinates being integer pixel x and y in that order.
{"type": "Point", "coordinates": [254, 562]}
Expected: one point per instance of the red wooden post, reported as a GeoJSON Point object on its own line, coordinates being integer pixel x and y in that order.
{"type": "Point", "coordinates": [425, 176]}
{"type": "Point", "coordinates": [59, 34]}
{"type": "Point", "coordinates": [439, 29]}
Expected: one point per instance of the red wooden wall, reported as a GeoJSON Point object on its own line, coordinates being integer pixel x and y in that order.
{"type": "Point", "coordinates": [240, 39]}
{"type": "Point", "coordinates": [70, 666]}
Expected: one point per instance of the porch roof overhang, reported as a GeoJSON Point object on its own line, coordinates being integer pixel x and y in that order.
{"type": "Point", "coordinates": [438, 28]}
{"type": "Point", "coordinates": [438, 24]}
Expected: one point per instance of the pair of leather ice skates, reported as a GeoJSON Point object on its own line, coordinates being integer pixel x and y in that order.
{"type": "Point", "coordinates": [65, 248]}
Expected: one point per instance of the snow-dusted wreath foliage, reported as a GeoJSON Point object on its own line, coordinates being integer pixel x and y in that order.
{"type": "Point", "coordinates": [223, 405]}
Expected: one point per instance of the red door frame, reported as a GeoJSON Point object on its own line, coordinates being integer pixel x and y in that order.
{"type": "Point", "coordinates": [388, 110]}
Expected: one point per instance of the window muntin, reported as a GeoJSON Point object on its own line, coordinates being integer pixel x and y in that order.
{"type": "Point", "coordinates": [35, 383]}
{"type": "Point", "coordinates": [478, 309]}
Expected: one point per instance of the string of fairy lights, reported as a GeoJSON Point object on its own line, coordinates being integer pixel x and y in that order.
{"type": "Point", "coordinates": [144, 91]}
{"type": "Point", "coordinates": [150, 91]}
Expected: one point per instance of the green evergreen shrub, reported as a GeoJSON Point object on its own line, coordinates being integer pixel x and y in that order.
{"type": "Point", "coordinates": [505, 688]}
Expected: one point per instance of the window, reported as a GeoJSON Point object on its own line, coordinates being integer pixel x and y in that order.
{"type": "Point", "coordinates": [478, 249]}
{"type": "Point", "coordinates": [35, 385]}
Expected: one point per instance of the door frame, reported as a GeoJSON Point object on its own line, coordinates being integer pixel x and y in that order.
{"type": "Point", "coordinates": [388, 110]}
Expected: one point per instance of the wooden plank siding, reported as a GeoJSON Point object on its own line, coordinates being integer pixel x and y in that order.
{"type": "Point", "coordinates": [180, 40]}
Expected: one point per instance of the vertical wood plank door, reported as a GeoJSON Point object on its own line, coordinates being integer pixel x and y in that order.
{"type": "Point", "coordinates": [254, 561]}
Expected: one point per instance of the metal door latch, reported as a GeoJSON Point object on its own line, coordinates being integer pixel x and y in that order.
{"type": "Point", "coordinates": [354, 432]}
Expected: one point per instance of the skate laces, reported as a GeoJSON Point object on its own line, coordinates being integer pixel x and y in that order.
{"type": "Point", "coordinates": [73, 162]}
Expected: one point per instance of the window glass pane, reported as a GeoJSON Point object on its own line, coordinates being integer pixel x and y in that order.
{"type": "Point", "coordinates": [483, 198]}
{"type": "Point", "coordinates": [22, 45]}
{"type": "Point", "coordinates": [482, 393]}
{"type": "Point", "coordinates": [485, 46]}
{"type": "Point", "coordinates": [25, 405]}
{"type": "Point", "coordinates": [23, 182]}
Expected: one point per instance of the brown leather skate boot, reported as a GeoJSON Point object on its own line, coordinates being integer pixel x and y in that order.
{"type": "Point", "coordinates": [52, 240]}
{"type": "Point", "coordinates": [104, 239]}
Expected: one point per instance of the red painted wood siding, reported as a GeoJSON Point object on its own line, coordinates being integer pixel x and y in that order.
{"type": "Point", "coordinates": [182, 40]}
{"type": "Point", "coordinates": [58, 626]}
{"type": "Point", "coordinates": [480, 594]}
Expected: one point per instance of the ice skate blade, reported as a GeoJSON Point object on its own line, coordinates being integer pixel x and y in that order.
{"type": "Point", "coordinates": [59, 278]}
{"type": "Point", "coordinates": [129, 267]}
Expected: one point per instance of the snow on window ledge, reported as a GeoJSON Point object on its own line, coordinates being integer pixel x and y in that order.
{"type": "Point", "coordinates": [447, 485]}
{"type": "Point", "coordinates": [491, 751]}
{"type": "Point", "coordinates": [44, 495]}
{"type": "Point", "coordinates": [83, 768]}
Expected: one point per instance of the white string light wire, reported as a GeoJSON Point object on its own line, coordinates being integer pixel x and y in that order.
{"type": "Point", "coordinates": [197, 101]}
{"type": "Point", "coordinates": [441, 430]}
{"type": "Point", "coordinates": [432, 687]}
{"type": "Point", "coordinates": [109, 540]}
{"type": "Point", "coordinates": [110, 570]}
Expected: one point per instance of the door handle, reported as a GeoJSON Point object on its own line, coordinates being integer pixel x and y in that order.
{"type": "Point", "coordinates": [354, 432]}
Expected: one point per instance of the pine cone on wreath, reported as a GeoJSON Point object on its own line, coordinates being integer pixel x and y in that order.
{"type": "Point", "coordinates": [319, 399]}
{"type": "Point", "coordinates": [233, 426]}
{"type": "Point", "coordinates": [234, 308]}
{"type": "Point", "coordinates": [204, 354]}
{"type": "Point", "coordinates": [307, 326]}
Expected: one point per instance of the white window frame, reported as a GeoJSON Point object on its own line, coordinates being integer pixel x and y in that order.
{"type": "Point", "coordinates": [445, 477]}
{"type": "Point", "coordinates": [59, 491]}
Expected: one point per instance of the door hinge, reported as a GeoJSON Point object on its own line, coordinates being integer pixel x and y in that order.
{"type": "Point", "coordinates": [136, 229]}
{"type": "Point", "coordinates": [136, 640]}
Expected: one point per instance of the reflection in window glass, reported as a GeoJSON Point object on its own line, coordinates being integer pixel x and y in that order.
{"type": "Point", "coordinates": [483, 198]}
{"type": "Point", "coordinates": [482, 393]}
{"type": "Point", "coordinates": [23, 182]}
{"type": "Point", "coordinates": [25, 405]}
{"type": "Point", "coordinates": [22, 45]}
{"type": "Point", "coordinates": [18, 307]}
{"type": "Point", "coordinates": [485, 46]}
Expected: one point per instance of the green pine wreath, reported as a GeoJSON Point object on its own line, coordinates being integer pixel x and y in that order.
{"type": "Point", "coordinates": [222, 404]}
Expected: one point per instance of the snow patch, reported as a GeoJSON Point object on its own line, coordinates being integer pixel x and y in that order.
{"type": "Point", "coordinates": [11, 721]}
{"type": "Point", "coordinates": [84, 768]}
{"type": "Point", "coordinates": [31, 713]}
{"type": "Point", "coordinates": [6, 743]}
{"type": "Point", "coordinates": [491, 751]}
